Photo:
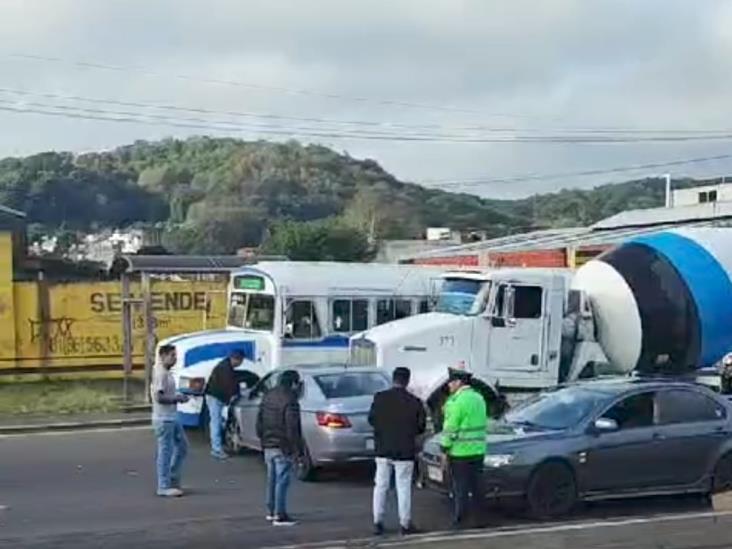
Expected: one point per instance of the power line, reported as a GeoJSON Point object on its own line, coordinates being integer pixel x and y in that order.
{"type": "Point", "coordinates": [534, 177]}
{"type": "Point", "coordinates": [260, 87]}
{"type": "Point", "coordinates": [337, 122]}
{"type": "Point", "coordinates": [204, 124]}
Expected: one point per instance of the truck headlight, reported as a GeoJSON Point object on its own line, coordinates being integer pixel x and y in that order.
{"type": "Point", "coordinates": [498, 460]}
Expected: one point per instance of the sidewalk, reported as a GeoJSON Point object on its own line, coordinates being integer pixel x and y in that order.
{"type": "Point", "coordinates": [19, 424]}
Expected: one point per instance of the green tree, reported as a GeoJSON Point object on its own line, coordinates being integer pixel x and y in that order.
{"type": "Point", "coordinates": [323, 240]}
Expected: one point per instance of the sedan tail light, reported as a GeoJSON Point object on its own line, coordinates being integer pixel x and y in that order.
{"type": "Point", "coordinates": [333, 421]}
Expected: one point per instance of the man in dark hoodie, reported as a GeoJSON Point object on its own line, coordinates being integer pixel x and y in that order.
{"type": "Point", "coordinates": [398, 418]}
{"type": "Point", "coordinates": [221, 389]}
{"type": "Point", "coordinates": [279, 430]}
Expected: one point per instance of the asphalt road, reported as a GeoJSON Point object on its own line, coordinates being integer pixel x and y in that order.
{"type": "Point", "coordinates": [96, 489]}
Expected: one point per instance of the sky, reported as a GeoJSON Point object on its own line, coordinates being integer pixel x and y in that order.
{"type": "Point", "coordinates": [436, 91]}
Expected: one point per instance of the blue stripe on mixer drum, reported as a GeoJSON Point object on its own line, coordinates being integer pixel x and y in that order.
{"type": "Point", "coordinates": [708, 282]}
{"type": "Point", "coordinates": [669, 321]}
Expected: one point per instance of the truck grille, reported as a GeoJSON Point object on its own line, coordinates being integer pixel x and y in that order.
{"type": "Point", "coordinates": [363, 352]}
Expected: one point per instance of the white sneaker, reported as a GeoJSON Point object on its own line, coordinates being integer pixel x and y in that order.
{"type": "Point", "coordinates": [284, 521]}
{"type": "Point", "coordinates": [170, 493]}
{"type": "Point", "coordinates": [269, 517]}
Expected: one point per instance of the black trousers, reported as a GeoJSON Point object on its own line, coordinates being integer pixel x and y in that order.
{"type": "Point", "coordinates": [467, 487]}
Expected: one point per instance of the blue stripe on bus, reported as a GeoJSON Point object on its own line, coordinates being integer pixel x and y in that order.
{"type": "Point", "coordinates": [210, 351]}
{"type": "Point", "coordinates": [338, 342]}
{"type": "Point", "coordinates": [189, 419]}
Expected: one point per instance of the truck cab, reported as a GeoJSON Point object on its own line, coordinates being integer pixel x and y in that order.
{"type": "Point", "coordinates": [504, 326]}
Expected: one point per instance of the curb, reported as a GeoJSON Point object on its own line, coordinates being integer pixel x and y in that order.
{"type": "Point", "coordinates": [74, 426]}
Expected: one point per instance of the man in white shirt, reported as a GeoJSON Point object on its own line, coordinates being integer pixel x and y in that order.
{"type": "Point", "coordinates": [171, 439]}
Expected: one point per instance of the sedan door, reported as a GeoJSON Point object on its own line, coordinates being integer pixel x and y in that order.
{"type": "Point", "coordinates": [249, 409]}
{"type": "Point", "coordinates": [625, 459]}
{"type": "Point", "coordinates": [691, 427]}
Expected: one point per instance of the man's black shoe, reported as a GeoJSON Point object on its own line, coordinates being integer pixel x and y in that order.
{"type": "Point", "coordinates": [378, 529]}
{"type": "Point", "coordinates": [408, 530]}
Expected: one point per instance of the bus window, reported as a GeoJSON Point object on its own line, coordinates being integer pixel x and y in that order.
{"type": "Point", "coordinates": [252, 311]}
{"type": "Point", "coordinates": [350, 315]}
{"type": "Point", "coordinates": [302, 321]}
{"type": "Point", "coordinates": [392, 309]}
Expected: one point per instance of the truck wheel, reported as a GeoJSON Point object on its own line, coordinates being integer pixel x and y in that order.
{"type": "Point", "coordinates": [722, 479]}
{"type": "Point", "coordinates": [305, 468]}
{"type": "Point", "coordinates": [552, 491]}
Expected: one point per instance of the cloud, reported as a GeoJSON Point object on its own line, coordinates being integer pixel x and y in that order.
{"type": "Point", "coordinates": [560, 63]}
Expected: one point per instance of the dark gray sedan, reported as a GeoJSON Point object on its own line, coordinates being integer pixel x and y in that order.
{"type": "Point", "coordinates": [604, 439]}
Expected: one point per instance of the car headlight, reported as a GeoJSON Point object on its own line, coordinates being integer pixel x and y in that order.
{"type": "Point", "coordinates": [498, 460]}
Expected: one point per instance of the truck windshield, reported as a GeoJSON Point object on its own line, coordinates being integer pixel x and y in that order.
{"type": "Point", "coordinates": [252, 311]}
{"type": "Point", "coordinates": [556, 410]}
{"type": "Point", "coordinates": [459, 296]}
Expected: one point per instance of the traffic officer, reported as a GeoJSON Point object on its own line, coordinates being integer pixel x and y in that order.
{"type": "Point", "coordinates": [464, 443]}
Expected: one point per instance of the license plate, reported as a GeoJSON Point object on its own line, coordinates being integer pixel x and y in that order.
{"type": "Point", "coordinates": [370, 444]}
{"type": "Point", "coordinates": [434, 473]}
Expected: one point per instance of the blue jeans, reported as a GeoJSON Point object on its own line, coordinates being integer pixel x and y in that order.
{"type": "Point", "coordinates": [172, 451]}
{"type": "Point", "coordinates": [279, 472]}
{"type": "Point", "coordinates": [216, 423]}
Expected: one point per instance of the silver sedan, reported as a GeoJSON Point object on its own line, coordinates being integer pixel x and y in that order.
{"type": "Point", "coordinates": [334, 405]}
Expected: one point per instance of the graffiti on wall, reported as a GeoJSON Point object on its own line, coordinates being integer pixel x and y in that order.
{"type": "Point", "coordinates": [61, 340]}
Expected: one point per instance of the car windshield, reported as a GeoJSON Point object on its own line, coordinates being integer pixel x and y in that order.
{"type": "Point", "coordinates": [351, 384]}
{"type": "Point", "coordinates": [252, 311]}
{"type": "Point", "coordinates": [458, 296]}
{"type": "Point", "coordinates": [560, 409]}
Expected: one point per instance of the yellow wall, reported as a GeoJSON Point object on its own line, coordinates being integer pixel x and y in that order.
{"type": "Point", "coordinates": [80, 324]}
{"type": "Point", "coordinates": [7, 319]}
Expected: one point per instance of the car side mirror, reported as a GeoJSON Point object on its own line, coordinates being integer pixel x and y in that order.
{"type": "Point", "coordinates": [605, 425]}
{"type": "Point", "coordinates": [498, 322]}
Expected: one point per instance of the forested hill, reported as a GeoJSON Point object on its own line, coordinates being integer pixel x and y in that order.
{"type": "Point", "coordinates": [216, 195]}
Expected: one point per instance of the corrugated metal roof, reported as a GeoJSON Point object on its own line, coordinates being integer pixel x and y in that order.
{"type": "Point", "coordinates": [517, 240]}
{"type": "Point", "coordinates": [184, 263]}
{"type": "Point", "coordinates": [657, 216]}
{"type": "Point", "coordinates": [547, 240]}
{"type": "Point", "coordinates": [11, 211]}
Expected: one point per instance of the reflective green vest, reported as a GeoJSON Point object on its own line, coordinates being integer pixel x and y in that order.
{"type": "Point", "coordinates": [465, 425]}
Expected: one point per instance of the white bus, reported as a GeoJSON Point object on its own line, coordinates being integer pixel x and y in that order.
{"type": "Point", "coordinates": [285, 313]}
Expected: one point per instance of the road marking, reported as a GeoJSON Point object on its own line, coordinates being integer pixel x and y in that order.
{"type": "Point", "coordinates": [505, 532]}
{"type": "Point", "coordinates": [77, 432]}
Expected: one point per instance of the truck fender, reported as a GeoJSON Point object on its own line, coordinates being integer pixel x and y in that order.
{"type": "Point", "coordinates": [495, 400]}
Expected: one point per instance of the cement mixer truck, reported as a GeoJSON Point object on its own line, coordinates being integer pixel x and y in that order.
{"type": "Point", "coordinates": [659, 304]}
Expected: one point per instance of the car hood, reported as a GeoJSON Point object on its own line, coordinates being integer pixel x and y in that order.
{"type": "Point", "coordinates": [502, 437]}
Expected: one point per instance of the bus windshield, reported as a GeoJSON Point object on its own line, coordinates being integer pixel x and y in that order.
{"type": "Point", "coordinates": [459, 296]}
{"type": "Point", "coordinates": [252, 311]}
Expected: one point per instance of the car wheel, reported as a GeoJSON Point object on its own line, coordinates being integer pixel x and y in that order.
{"type": "Point", "coordinates": [231, 437]}
{"type": "Point", "coordinates": [305, 468]}
{"type": "Point", "coordinates": [552, 491]}
{"type": "Point", "coordinates": [722, 480]}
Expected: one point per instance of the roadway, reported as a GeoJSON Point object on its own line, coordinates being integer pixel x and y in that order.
{"type": "Point", "coordinates": [94, 489]}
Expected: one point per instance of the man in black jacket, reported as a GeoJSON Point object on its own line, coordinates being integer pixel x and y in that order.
{"type": "Point", "coordinates": [221, 389]}
{"type": "Point", "coordinates": [280, 432]}
{"type": "Point", "coordinates": [398, 418]}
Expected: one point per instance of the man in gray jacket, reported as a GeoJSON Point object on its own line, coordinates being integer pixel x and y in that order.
{"type": "Point", "coordinates": [171, 439]}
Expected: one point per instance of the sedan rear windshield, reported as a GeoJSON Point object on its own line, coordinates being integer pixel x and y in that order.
{"type": "Point", "coordinates": [351, 384]}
